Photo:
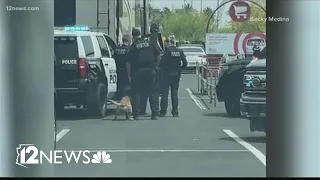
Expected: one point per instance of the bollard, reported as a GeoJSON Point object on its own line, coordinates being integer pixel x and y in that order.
{"type": "Point", "coordinates": [211, 87]}
{"type": "Point", "coordinates": [215, 92]}
{"type": "Point", "coordinates": [207, 84]}
{"type": "Point", "coordinates": [205, 80]}
{"type": "Point", "coordinates": [198, 76]}
{"type": "Point", "coordinates": [202, 81]}
{"type": "Point", "coordinates": [27, 84]}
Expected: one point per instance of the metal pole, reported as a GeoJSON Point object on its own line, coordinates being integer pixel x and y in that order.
{"type": "Point", "coordinates": [109, 18]}
{"type": "Point", "coordinates": [144, 20]}
{"type": "Point", "coordinates": [118, 20]}
{"type": "Point", "coordinates": [27, 86]}
{"type": "Point", "coordinates": [218, 13]}
{"type": "Point", "coordinates": [215, 92]}
{"type": "Point", "coordinates": [98, 21]}
{"type": "Point", "coordinates": [207, 86]}
{"type": "Point", "coordinates": [197, 74]}
{"type": "Point", "coordinates": [201, 76]}
{"type": "Point", "coordinates": [147, 12]}
{"type": "Point", "coordinates": [211, 85]}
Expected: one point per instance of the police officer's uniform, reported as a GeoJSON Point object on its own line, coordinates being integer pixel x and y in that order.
{"type": "Point", "coordinates": [170, 66]}
{"type": "Point", "coordinates": [122, 76]}
{"type": "Point", "coordinates": [142, 57]}
{"type": "Point", "coordinates": [156, 40]}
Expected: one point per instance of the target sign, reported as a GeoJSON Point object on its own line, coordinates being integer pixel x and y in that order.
{"type": "Point", "coordinates": [239, 11]}
{"type": "Point", "coordinates": [248, 41]}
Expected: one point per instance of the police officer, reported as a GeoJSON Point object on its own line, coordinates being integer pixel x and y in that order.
{"type": "Point", "coordinates": [142, 61]}
{"type": "Point", "coordinates": [155, 36]}
{"type": "Point", "coordinates": [120, 58]}
{"type": "Point", "coordinates": [256, 50]}
{"type": "Point", "coordinates": [156, 40]}
{"type": "Point", "coordinates": [170, 66]}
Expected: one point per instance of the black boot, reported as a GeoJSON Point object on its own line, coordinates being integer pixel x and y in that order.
{"type": "Point", "coordinates": [154, 116]}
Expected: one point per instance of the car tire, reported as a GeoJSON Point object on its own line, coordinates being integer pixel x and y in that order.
{"type": "Point", "coordinates": [257, 124]}
{"type": "Point", "coordinates": [99, 106]}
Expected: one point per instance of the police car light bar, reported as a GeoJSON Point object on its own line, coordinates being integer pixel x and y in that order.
{"type": "Point", "coordinates": [77, 28]}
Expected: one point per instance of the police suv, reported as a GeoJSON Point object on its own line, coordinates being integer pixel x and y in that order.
{"type": "Point", "coordinates": [84, 72]}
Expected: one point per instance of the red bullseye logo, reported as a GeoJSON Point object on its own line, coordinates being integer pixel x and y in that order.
{"type": "Point", "coordinates": [245, 41]}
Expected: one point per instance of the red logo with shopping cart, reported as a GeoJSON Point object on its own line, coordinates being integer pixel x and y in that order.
{"type": "Point", "coordinates": [240, 11]}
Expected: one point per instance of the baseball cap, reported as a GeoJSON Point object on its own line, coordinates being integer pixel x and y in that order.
{"type": "Point", "coordinates": [136, 32]}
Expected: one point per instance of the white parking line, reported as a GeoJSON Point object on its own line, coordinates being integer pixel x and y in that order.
{"type": "Point", "coordinates": [159, 150]}
{"type": "Point", "coordinates": [62, 133]}
{"type": "Point", "coordinates": [195, 99]}
{"type": "Point", "coordinates": [248, 146]}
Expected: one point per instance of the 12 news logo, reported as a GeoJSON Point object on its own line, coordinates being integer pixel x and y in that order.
{"type": "Point", "coordinates": [28, 154]}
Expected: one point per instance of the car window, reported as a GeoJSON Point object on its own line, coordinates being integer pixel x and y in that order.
{"type": "Point", "coordinates": [88, 46]}
{"type": "Point", "coordinates": [111, 43]}
{"type": "Point", "coordinates": [66, 47]}
{"type": "Point", "coordinates": [103, 47]}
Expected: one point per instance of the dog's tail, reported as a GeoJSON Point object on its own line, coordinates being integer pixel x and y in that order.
{"type": "Point", "coordinates": [114, 102]}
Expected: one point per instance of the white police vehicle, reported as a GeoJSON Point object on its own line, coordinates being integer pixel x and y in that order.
{"type": "Point", "coordinates": [85, 71]}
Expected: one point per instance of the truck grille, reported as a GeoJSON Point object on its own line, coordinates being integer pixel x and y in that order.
{"type": "Point", "coordinates": [255, 82]}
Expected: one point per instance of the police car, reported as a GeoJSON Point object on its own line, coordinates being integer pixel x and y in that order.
{"type": "Point", "coordinates": [85, 72]}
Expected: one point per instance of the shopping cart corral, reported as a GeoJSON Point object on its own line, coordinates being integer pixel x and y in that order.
{"type": "Point", "coordinates": [207, 77]}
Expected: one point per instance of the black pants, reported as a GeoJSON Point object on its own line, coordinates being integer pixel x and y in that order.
{"type": "Point", "coordinates": [144, 84]}
{"type": "Point", "coordinates": [145, 97]}
{"type": "Point", "coordinates": [144, 100]}
{"type": "Point", "coordinates": [169, 80]}
{"type": "Point", "coordinates": [122, 83]}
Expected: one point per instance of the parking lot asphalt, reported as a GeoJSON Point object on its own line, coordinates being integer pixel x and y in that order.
{"type": "Point", "coordinates": [202, 142]}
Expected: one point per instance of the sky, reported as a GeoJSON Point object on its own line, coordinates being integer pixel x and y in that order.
{"type": "Point", "coordinates": [179, 3]}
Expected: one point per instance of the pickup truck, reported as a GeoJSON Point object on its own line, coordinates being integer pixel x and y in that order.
{"type": "Point", "coordinates": [253, 100]}
{"type": "Point", "coordinates": [230, 83]}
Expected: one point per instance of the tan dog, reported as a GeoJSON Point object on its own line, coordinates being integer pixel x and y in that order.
{"type": "Point", "coordinates": [123, 105]}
